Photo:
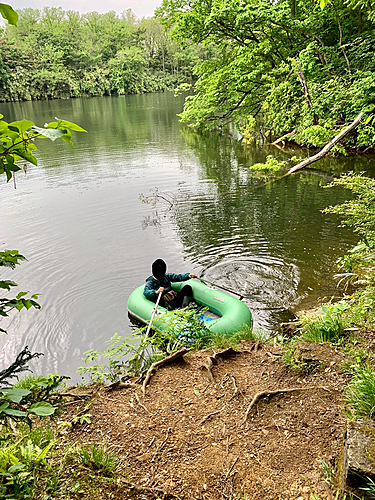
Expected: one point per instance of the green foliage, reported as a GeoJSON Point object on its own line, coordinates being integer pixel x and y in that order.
{"type": "Point", "coordinates": [11, 258]}
{"type": "Point", "coordinates": [20, 463]}
{"type": "Point", "coordinates": [360, 393]}
{"type": "Point", "coordinates": [315, 135]}
{"type": "Point", "coordinates": [359, 212]}
{"type": "Point", "coordinates": [362, 309]}
{"type": "Point", "coordinates": [130, 356]}
{"type": "Point", "coordinates": [31, 396]}
{"type": "Point", "coordinates": [291, 358]}
{"type": "Point", "coordinates": [186, 326]}
{"type": "Point", "coordinates": [271, 166]}
{"type": "Point", "coordinates": [328, 326]}
{"type": "Point", "coordinates": [223, 340]}
{"type": "Point", "coordinates": [65, 54]}
{"type": "Point", "coordinates": [287, 65]}
{"type": "Point", "coordinates": [17, 141]}
{"type": "Point", "coordinates": [8, 13]}
{"type": "Point", "coordinates": [121, 355]}
{"type": "Point", "coordinates": [370, 487]}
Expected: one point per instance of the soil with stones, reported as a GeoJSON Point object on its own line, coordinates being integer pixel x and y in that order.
{"type": "Point", "coordinates": [199, 432]}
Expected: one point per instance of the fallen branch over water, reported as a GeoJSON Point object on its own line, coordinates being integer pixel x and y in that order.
{"type": "Point", "coordinates": [281, 139]}
{"type": "Point", "coordinates": [327, 147]}
{"type": "Point", "coordinates": [164, 361]}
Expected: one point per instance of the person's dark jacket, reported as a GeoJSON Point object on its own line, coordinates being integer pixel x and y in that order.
{"type": "Point", "coordinates": [152, 284]}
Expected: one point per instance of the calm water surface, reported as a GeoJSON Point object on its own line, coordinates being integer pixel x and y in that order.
{"type": "Point", "coordinates": [89, 240]}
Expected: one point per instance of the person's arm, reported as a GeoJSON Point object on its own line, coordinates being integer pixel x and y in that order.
{"type": "Point", "coordinates": [174, 278]}
{"type": "Point", "coordinates": [149, 291]}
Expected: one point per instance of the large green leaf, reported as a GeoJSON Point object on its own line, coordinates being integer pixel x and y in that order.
{"type": "Point", "coordinates": [21, 125]}
{"type": "Point", "coordinates": [14, 395]}
{"type": "Point", "coordinates": [6, 284]}
{"type": "Point", "coordinates": [14, 413]}
{"type": "Point", "coordinates": [66, 124]}
{"type": "Point", "coordinates": [8, 13]}
{"type": "Point", "coordinates": [27, 155]}
{"type": "Point", "coordinates": [42, 409]}
{"type": "Point", "coordinates": [50, 133]}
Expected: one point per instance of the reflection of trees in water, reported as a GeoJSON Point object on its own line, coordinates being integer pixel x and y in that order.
{"type": "Point", "coordinates": [232, 224]}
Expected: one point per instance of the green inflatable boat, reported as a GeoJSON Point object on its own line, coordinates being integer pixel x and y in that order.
{"type": "Point", "coordinates": [225, 313]}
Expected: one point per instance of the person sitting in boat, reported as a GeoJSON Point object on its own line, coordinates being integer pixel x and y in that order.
{"type": "Point", "coordinates": [160, 282]}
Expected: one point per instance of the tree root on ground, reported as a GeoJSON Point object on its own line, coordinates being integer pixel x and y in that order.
{"type": "Point", "coordinates": [267, 393]}
{"type": "Point", "coordinates": [173, 357]}
{"type": "Point", "coordinates": [212, 360]}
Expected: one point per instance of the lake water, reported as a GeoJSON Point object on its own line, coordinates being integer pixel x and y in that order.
{"type": "Point", "coordinates": [89, 240]}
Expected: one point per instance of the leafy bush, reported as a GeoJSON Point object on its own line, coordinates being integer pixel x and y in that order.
{"type": "Point", "coordinates": [30, 396]}
{"type": "Point", "coordinates": [362, 310]}
{"type": "Point", "coordinates": [186, 326]}
{"type": "Point", "coordinates": [359, 212]}
{"type": "Point", "coordinates": [292, 359]}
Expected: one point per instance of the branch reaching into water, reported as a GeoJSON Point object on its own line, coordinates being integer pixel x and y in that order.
{"type": "Point", "coordinates": [327, 147]}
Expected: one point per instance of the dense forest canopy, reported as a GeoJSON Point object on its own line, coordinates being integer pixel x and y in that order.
{"type": "Point", "coordinates": [55, 53]}
{"type": "Point", "coordinates": [290, 65]}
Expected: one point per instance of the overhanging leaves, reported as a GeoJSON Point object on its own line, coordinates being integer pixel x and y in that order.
{"type": "Point", "coordinates": [8, 13]}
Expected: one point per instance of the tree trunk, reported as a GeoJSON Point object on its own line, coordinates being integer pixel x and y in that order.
{"type": "Point", "coordinates": [303, 83]}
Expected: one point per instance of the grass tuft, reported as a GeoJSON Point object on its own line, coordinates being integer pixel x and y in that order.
{"type": "Point", "coordinates": [98, 459]}
{"type": "Point", "coordinates": [360, 393]}
{"type": "Point", "coordinates": [328, 326]}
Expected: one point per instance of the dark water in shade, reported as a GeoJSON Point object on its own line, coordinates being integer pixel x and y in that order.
{"type": "Point", "coordinates": [90, 241]}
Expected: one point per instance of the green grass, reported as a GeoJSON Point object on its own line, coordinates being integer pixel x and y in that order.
{"type": "Point", "coordinates": [327, 326]}
{"type": "Point", "coordinates": [360, 393]}
{"type": "Point", "coordinates": [223, 340]}
{"type": "Point", "coordinates": [98, 459]}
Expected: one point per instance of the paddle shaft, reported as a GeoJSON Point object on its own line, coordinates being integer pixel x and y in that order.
{"type": "Point", "coordinates": [152, 315]}
{"type": "Point", "coordinates": [222, 287]}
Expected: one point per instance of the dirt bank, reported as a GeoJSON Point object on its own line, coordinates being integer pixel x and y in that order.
{"type": "Point", "coordinates": [189, 438]}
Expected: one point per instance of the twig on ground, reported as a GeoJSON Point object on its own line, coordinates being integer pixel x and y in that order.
{"type": "Point", "coordinates": [173, 357]}
{"type": "Point", "coordinates": [210, 415]}
{"type": "Point", "coordinates": [157, 492]}
{"type": "Point", "coordinates": [140, 404]}
{"type": "Point", "coordinates": [151, 442]}
{"type": "Point", "coordinates": [76, 396]}
{"type": "Point", "coordinates": [161, 446]}
{"type": "Point", "coordinates": [231, 467]}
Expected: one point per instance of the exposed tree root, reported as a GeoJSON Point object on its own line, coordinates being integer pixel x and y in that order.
{"type": "Point", "coordinates": [264, 394]}
{"type": "Point", "coordinates": [212, 360]}
{"type": "Point", "coordinates": [173, 357]}
{"type": "Point", "coordinates": [121, 385]}
{"type": "Point", "coordinates": [161, 446]}
{"type": "Point", "coordinates": [208, 366]}
{"type": "Point", "coordinates": [139, 402]}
